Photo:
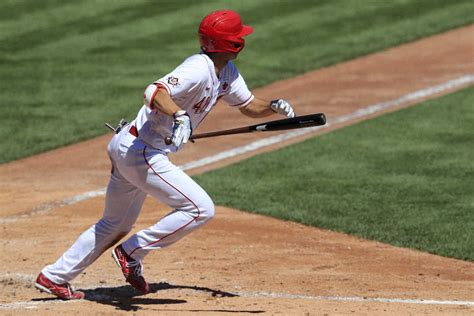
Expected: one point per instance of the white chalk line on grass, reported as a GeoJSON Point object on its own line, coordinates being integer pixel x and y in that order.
{"type": "Point", "coordinates": [265, 142]}
{"type": "Point", "coordinates": [419, 94]}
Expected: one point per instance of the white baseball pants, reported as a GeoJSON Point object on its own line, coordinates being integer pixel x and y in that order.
{"type": "Point", "coordinates": [138, 170]}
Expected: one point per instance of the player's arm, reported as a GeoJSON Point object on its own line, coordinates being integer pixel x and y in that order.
{"type": "Point", "coordinates": [257, 108]}
{"type": "Point", "coordinates": [262, 108]}
{"type": "Point", "coordinates": [160, 100]}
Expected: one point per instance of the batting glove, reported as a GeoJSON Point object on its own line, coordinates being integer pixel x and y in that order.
{"type": "Point", "coordinates": [282, 107]}
{"type": "Point", "coordinates": [182, 128]}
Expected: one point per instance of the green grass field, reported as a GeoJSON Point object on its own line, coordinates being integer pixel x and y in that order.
{"type": "Point", "coordinates": [68, 66]}
{"type": "Point", "coordinates": [406, 178]}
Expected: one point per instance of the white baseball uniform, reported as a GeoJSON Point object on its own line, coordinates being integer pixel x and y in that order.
{"type": "Point", "coordinates": [141, 166]}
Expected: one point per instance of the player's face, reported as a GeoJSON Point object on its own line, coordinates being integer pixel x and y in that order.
{"type": "Point", "coordinates": [231, 56]}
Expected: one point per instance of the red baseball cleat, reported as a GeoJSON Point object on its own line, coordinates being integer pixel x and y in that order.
{"type": "Point", "coordinates": [63, 291]}
{"type": "Point", "coordinates": [131, 269]}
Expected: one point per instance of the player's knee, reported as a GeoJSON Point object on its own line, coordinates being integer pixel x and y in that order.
{"type": "Point", "coordinates": [113, 226]}
{"type": "Point", "coordinates": [206, 209]}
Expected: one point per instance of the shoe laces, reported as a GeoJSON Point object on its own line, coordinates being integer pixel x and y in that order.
{"type": "Point", "coordinates": [136, 266]}
{"type": "Point", "coordinates": [70, 289]}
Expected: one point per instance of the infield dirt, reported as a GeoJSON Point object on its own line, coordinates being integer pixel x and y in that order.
{"type": "Point", "coordinates": [239, 263]}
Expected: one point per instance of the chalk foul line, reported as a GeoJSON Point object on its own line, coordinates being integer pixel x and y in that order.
{"type": "Point", "coordinates": [272, 295]}
{"type": "Point", "coordinates": [29, 279]}
{"type": "Point", "coordinates": [356, 299]}
{"type": "Point", "coordinates": [46, 207]}
{"type": "Point", "coordinates": [364, 112]}
{"type": "Point", "coordinates": [265, 142]}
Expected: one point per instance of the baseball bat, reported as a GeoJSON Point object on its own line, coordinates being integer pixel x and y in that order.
{"type": "Point", "coordinates": [310, 120]}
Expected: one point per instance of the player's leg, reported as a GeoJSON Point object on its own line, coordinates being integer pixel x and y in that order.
{"type": "Point", "coordinates": [122, 206]}
{"type": "Point", "coordinates": [192, 206]}
{"type": "Point", "coordinates": [150, 170]}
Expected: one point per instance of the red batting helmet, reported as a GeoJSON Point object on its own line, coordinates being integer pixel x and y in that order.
{"type": "Point", "coordinates": [223, 31]}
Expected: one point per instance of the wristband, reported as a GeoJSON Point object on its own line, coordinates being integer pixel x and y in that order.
{"type": "Point", "coordinates": [179, 113]}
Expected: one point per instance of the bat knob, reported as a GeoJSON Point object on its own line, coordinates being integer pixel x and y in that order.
{"type": "Point", "coordinates": [168, 140]}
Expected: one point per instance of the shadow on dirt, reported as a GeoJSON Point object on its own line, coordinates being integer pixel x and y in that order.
{"type": "Point", "coordinates": [128, 299]}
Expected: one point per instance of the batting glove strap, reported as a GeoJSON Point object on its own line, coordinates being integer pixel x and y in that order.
{"type": "Point", "coordinates": [282, 107]}
{"type": "Point", "coordinates": [179, 113]}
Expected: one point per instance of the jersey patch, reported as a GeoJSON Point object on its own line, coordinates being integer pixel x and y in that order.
{"type": "Point", "coordinates": [174, 81]}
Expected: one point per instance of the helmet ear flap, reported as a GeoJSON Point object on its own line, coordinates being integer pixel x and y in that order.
{"type": "Point", "coordinates": [238, 45]}
{"type": "Point", "coordinates": [207, 44]}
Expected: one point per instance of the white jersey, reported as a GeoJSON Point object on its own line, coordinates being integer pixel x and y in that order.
{"type": "Point", "coordinates": [195, 88]}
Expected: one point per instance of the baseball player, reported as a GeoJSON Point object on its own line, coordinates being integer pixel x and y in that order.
{"type": "Point", "coordinates": [173, 107]}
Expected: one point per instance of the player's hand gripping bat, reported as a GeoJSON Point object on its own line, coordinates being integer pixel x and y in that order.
{"type": "Point", "coordinates": [310, 120]}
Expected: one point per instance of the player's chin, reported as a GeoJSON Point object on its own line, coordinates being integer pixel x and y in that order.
{"type": "Point", "coordinates": [232, 56]}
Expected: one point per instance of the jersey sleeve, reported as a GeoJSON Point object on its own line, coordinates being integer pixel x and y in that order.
{"type": "Point", "coordinates": [237, 93]}
{"type": "Point", "coordinates": [180, 81]}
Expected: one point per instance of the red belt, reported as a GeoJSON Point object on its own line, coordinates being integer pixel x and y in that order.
{"type": "Point", "coordinates": [133, 130]}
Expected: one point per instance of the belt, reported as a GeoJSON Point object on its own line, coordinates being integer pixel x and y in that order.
{"type": "Point", "coordinates": [133, 130]}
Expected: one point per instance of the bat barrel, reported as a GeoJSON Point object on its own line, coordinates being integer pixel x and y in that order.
{"type": "Point", "coordinates": [296, 122]}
